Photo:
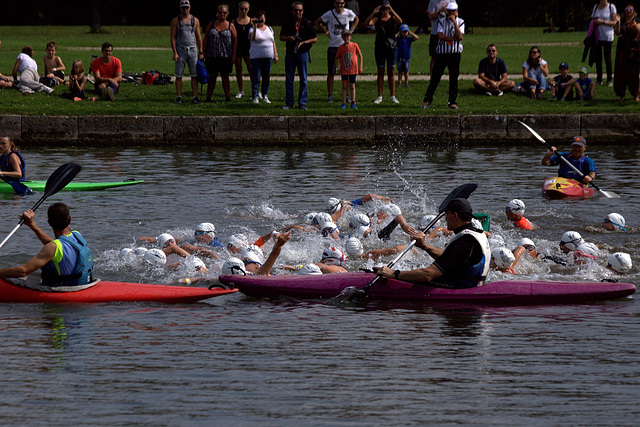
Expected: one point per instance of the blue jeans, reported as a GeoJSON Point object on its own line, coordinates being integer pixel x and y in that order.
{"type": "Point", "coordinates": [291, 63]}
{"type": "Point", "coordinates": [260, 68]}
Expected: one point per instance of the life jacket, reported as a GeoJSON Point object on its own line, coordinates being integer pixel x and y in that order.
{"type": "Point", "coordinates": [523, 223]}
{"type": "Point", "coordinates": [5, 166]}
{"type": "Point", "coordinates": [477, 273]}
{"type": "Point", "coordinates": [566, 172]}
{"type": "Point", "coordinates": [72, 263]}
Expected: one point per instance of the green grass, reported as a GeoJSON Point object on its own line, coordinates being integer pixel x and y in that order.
{"type": "Point", "coordinates": [76, 43]}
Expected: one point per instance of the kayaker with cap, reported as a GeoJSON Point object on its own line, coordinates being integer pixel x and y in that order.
{"type": "Point", "coordinates": [12, 164]}
{"type": "Point", "coordinates": [463, 263]}
{"type": "Point", "coordinates": [65, 260]}
{"type": "Point", "coordinates": [576, 157]}
{"type": "Point", "coordinates": [515, 213]}
{"type": "Point", "coordinates": [614, 222]}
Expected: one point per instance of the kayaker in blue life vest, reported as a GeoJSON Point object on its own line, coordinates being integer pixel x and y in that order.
{"type": "Point", "coordinates": [463, 263]}
{"type": "Point", "coordinates": [65, 260]}
{"type": "Point", "coordinates": [576, 157]}
{"type": "Point", "coordinates": [12, 164]}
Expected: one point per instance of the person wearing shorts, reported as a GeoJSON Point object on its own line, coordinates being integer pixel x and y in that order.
{"type": "Point", "coordinates": [349, 57]}
{"type": "Point", "coordinates": [186, 44]}
{"type": "Point", "coordinates": [405, 38]}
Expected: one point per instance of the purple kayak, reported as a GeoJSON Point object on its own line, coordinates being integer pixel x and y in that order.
{"type": "Point", "coordinates": [505, 292]}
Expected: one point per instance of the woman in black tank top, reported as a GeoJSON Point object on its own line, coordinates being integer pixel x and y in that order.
{"type": "Point", "coordinates": [242, 24]}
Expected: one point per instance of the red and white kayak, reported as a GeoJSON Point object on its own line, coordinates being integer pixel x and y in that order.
{"type": "Point", "coordinates": [560, 188]}
{"type": "Point", "coordinates": [105, 291]}
{"type": "Point", "coordinates": [507, 292]}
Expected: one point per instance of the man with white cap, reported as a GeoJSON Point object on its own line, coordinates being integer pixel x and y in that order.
{"type": "Point", "coordinates": [436, 10]}
{"type": "Point", "coordinates": [186, 44]}
{"type": "Point", "coordinates": [614, 222]}
{"type": "Point", "coordinates": [515, 213]}
{"type": "Point", "coordinates": [576, 157]}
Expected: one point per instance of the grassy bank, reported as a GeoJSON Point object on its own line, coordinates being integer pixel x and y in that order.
{"type": "Point", "coordinates": [145, 48]}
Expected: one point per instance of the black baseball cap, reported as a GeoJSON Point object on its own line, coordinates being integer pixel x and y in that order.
{"type": "Point", "coordinates": [462, 207]}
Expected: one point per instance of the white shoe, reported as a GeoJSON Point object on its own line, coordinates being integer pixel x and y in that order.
{"type": "Point", "coordinates": [266, 100]}
{"type": "Point", "coordinates": [255, 100]}
{"type": "Point", "coordinates": [378, 100]}
{"type": "Point", "coordinates": [395, 100]}
{"type": "Point", "coordinates": [239, 95]}
{"type": "Point", "coordinates": [259, 95]}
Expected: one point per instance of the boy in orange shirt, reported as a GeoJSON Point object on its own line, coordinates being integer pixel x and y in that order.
{"type": "Point", "coordinates": [515, 213]}
{"type": "Point", "coordinates": [350, 59]}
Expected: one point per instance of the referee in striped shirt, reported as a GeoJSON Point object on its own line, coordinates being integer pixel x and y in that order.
{"type": "Point", "coordinates": [450, 32]}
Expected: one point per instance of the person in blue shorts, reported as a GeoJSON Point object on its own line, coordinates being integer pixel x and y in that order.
{"type": "Point", "coordinates": [576, 157]}
{"type": "Point", "coordinates": [585, 87]}
{"type": "Point", "coordinates": [405, 38]}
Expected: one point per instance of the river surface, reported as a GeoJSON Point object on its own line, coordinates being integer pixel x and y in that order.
{"type": "Point", "coordinates": [234, 360]}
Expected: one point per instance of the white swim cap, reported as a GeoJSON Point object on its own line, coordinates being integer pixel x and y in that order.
{"type": "Point", "coordinates": [253, 254]}
{"type": "Point", "coordinates": [496, 241]}
{"type": "Point", "coordinates": [588, 249]}
{"type": "Point", "coordinates": [620, 262]}
{"type": "Point", "coordinates": [126, 254]}
{"type": "Point", "coordinates": [360, 231]}
{"type": "Point", "coordinates": [164, 240]}
{"type": "Point", "coordinates": [516, 206]}
{"type": "Point", "coordinates": [359, 219]}
{"type": "Point", "coordinates": [308, 218]}
{"type": "Point", "coordinates": [526, 242]}
{"type": "Point", "coordinates": [237, 240]}
{"type": "Point", "coordinates": [333, 205]}
{"type": "Point", "coordinates": [476, 223]}
{"type": "Point", "coordinates": [571, 239]}
{"type": "Point", "coordinates": [140, 251]}
{"type": "Point", "coordinates": [354, 248]}
{"type": "Point", "coordinates": [206, 228]}
{"type": "Point", "coordinates": [426, 220]}
{"type": "Point", "coordinates": [503, 257]}
{"type": "Point", "coordinates": [327, 227]}
{"type": "Point", "coordinates": [234, 266]}
{"type": "Point", "coordinates": [155, 257]}
{"type": "Point", "coordinates": [393, 210]}
{"type": "Point", "coordinates": [310, 269]}
{"type": "Point", "coordinates": [334, 255]}
{"type": "Point", "coordinates": [322, 217]}
{"type": "Point", "coordinates": [195, 264]}
{"type": "Point", "coordinates": [617, 220]}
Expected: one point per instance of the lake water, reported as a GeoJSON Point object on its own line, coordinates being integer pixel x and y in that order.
{"type": "Point", "coordinates": [233, 360]}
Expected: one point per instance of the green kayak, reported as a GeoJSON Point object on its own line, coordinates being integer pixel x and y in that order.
{"type": "Point", "coordinates": [72, 186]}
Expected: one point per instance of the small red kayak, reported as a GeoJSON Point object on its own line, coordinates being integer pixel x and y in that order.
{"type": "Point", "coordinates": [505, 292]}
{"type": "Point", "coordinates": [560, 188]}
{"type": "Point", "coordinates": [105, 291]}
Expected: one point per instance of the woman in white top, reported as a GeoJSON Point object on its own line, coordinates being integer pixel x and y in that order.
{"type": "Point", "coordinates": [263, 53]}
{"type": "Point", "coordinates": [605, 16]}
{"type": "Point", "coordinates": [28, 69]}
{"type": "Point", "coordinates": [535, 71]}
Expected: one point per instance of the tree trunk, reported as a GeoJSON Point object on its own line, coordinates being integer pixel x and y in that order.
{"type": "Point", "coordinates": [95, 17]}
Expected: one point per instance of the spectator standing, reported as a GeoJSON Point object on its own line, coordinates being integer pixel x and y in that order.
{"type": "Point", "coordinates": [492, 74]}
{"type": "Point", "coordinates": [336, 20]}
{"type": "Point", "coordinates": [448, 53]}
{"type": "Point", "coordinates": [562, 87]}
{"type": "Point", "coordinates": [242, 24]}
{"type": "Point", "coordinates": [263, 53]}
{"type": "Point", "coordinates": [385, 21]}
{"type": "Point", "coordinates": [605, 16]}
{"type": "Point", "coordinates": [349, 57]}
{"type": "Point", "coordinates": [220, 45]}
{"type": "Point", "coordinates": [28, 69]}
{"type": "Point", "coordinates": [627, 65]}
{"type": "Point", "coordinates": [299, 35]}
{"type": "Point", "coordinates": [436, 10]}
{"type": "Point", "coordinates": [405, 38]}
{"type": "Point", "coordinates": [186, 44]}
{"type": "Point", "coordinates": [107, 73]}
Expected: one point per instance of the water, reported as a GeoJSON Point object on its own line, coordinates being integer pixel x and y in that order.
{"type": "Point", "coordinates": [239, 361]}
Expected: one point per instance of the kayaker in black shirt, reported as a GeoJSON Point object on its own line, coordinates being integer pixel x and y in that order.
{"type": "Point", "coordinates": [464, 263]}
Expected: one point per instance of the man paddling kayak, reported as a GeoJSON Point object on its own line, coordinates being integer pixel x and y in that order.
{"type": "Point", "coordinates": [65, 260]}
{"type": "Point", "coordinates": [463, 263]}
{"type": "Point", "coordinates": [576, 157]}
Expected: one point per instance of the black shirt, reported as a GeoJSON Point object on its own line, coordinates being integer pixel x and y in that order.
{"type": "Point", "coordinates": [306, 31]}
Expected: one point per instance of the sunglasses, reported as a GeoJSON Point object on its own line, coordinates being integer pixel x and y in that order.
{"type": "Point", "coordinates": [244, 9]}
{"type": "Point", "coordinates": [222, 13]}
{"type": "Point", "coordinates": [202, 233]}
{"type": "Point", "coordinates": [628, 9]}
{"type": "Point", "coordinates": [491, 50]}
{"type": "Point", "coordinates": [535, 51]}
{"type": "Point", "coordinates": [298, 10]}
{"type": "Point", "coordinates": [529, 247]}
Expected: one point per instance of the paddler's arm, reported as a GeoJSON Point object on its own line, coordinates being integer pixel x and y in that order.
{"type": "Point", "coordinates": [17, 170]}
{"type": "Point", "coordinates": [28, 217]}
{"type": "Point", "coordinates": [547, 156]}
{"type": "Point", "coordinates": [38, 261]}
{"type": "Point", "coordinates": [433, 251]}
{"type": "Point", "coordinates": [265, 269]}
{"type": "Point", "coordinates": [419, 275]}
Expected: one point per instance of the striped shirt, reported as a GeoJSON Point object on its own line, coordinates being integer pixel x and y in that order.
{"type": "Point", "coordinates": [446, 27]}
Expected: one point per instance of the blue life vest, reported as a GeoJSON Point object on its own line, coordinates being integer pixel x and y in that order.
{"type": "Point", "coordinates": [477, 273]}
{"type": "Point", "coordinates": [5, 166]}
{"type": "Point", "coordinates": [584, 164]}
{"type": "Point", "coordinates": [71, 265]}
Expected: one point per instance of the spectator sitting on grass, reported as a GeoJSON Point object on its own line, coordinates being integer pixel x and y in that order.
{"type": "Point", "coordinates": [585, 87]}
{"type": "Point", "coordinates": [28, 69]}
{"type": "Point", "coordinates": [53, 66]}
{"type": "Point", "coordinates": [492, 74]}
{"type": "Point", "coordinates": [107, 72]}
{"type": "Point", "coordinates": [562, 87]}
{"type": "Point", "coordinates": [535, 71]}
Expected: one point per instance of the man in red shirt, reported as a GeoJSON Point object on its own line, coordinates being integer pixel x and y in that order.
{"type": "Point", "coordinates": [107, 72]}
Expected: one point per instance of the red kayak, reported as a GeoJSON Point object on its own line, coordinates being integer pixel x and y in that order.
{"type": "Point", "coordinates": [506, 292]}
{"type": "Point", "coordinates": [105, 291]}
{"type": "Point", "coordinates": [560, 188]}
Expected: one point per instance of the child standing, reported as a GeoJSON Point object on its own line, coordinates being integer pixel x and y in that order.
{"type": "Point", "coordinates": [562, 87]}
{"type": "Point", "coordinates": [53, 66]}
{"type": "Point", "coordinates": [404, 40]}
{"type": "Point", "coordinates": [350, 59]}
{"type": "Point", "coordinates": [77, 79]}
{"type": "Point", "coordinates": [585, 87]}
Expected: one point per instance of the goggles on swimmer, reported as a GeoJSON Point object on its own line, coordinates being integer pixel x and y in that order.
{"type": "Point", "coordinates": [608, 221]}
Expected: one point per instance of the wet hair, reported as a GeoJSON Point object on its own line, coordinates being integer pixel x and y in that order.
{"type": "Point", "coordinates": [59, 217]}
{"type": "Point", "coordinates": [51, 44]}
{"type": "Point", "coordinates": [529, 60]}
{"type": "Point", "coordinates": [106, 45]}
{"type": "Point", "coordinates": [79, 64]}
{"type": "Point", "coordinates": [28, 50]}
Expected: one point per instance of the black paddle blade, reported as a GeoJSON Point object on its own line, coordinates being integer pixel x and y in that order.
{"type": "Point", "coordinates": [463, 192]}
{"type": "Point", "coordinates": [60, 178]}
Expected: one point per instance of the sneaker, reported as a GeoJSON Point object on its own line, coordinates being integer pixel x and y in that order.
{"type": "Point", "coordinates": [227, 99]}
{"type": "Point", "coordinates": [265, 99]}
{"type": "Point", "coordinates": [303, 107]}
{"type": "Point", "coordinates": [354, 106]}
{"type": "Point", "coordinates": [395, 100]}
{"type": "Point", "coordinates": [563, 99]}
{"type": "Point", "coordinates": [453, 106]}
{"type": "Point", "coordinates": [208, 99]}
{"type": "Point", "coordinates": [406, 85]}
{"type": "Point", "coordinates": [488, 93]}
{"type": "Point", "coordinates": [179, 100]}
{"type": "Point", "coordinates": [255, 100]}
{"type": "Point", "coordinates": [343, 106]}
{"type": "Point", "coordinates": [48, 90]}
{"type": "Point", "coordinates": [259, 95]}
{"type": "Point", "coordinates": [103, 92]}
{"type": "Point", "coordinates": [552, 98]}
{"type": "Point", "coordinates": [499, 93]}
{"type": "Point", "coordinates": [610, 83]}
{"type": "Point", "coordinates": [378, 100]}
{"type": "Point", "coordinates": [239, 95]}
{"type": "Point", "coordinates": [287, 107]}
{"type": "Point", "coordinates": [195, 100]}
{"type": "Point", "coordinates": [330, 99]}
{"type": "Point", "coordinates": [518, 89]}
{"type": "Point", "coordinates": [110, 94]}
{"type": "Point", "coordinates": [426, 105]}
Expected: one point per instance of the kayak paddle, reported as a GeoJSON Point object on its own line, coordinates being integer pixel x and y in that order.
{"type": "Point", "coordinates": [463, 191]}
{"type": "Point", "coordinates": [56, 182]}
{"type": "Point", "coordinates": [608, 194]}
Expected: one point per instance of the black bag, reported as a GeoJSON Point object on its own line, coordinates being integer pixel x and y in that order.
{"type": "Point", "coordinates": [48, 81]}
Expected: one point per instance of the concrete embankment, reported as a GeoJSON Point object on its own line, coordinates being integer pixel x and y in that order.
{"type": "Point", "coordinates": [308, 129]}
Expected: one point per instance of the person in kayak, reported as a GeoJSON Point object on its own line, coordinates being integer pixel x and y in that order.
{"type": "Point", "coordinates": [12, 164]}
{"type": "Point", "coordinates": [65, 260]}
{"type": "Point", "coordinates": [576, 157]}
{"type": "Point", "coordinates": [463, 263]}
{"type": "Point", "coordinates": [515, 213]}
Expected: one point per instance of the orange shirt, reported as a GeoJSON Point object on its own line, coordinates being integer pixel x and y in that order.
{"type": "Point", "coordinates": [523, 223]}
{"type": "Point", "coordinates": [107, 71]}
{"type": "Point", "coordinates": [348, 56]}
